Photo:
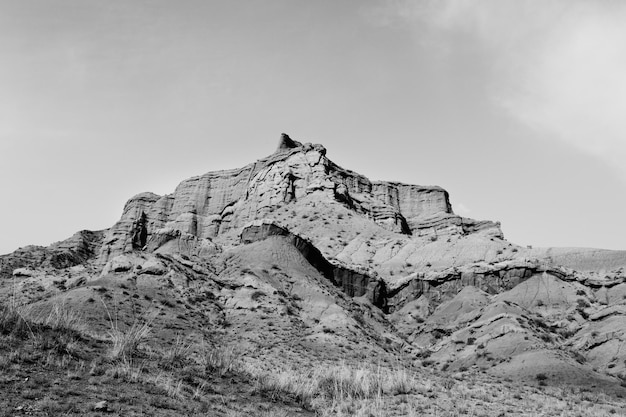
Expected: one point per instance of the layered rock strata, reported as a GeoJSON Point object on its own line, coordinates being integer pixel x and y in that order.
{"type": "Point", "coordinates": [355, 282]}
{"type": "Point", "coordinates": [79, 248]}
{"type": "Point", "coordinates": [492, 278]}
{"type": "Point", "coordinates": [217, 202]}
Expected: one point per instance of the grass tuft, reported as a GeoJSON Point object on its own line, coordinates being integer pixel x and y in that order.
{"type": "Point", "coordinates": [220, 360]}
{"type": "Point", "coordinates": [126, 342]}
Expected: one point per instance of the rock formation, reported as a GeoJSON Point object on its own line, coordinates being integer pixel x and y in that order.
{"type": "Point", "coordinates": [353, 282]}
{"type": "Point", "coordinates": [217, 202]}
{"type": "Point", "coordinates": [295, 259]}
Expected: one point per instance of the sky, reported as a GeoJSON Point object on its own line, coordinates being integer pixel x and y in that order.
{"type": "Point", "coordinates": [516, 107]}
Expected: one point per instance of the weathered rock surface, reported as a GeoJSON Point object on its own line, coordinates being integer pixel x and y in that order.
{"type": "Point", "coordinates": [79, 248]}
{"type": "Point", "coordinates": [583, 259]}
{"type": "Point", "coordinates": [354, 282]}
{"type": "Point", "coordinates": [493, 278]}
{"type": "Point", "coordinates": [214, 203]}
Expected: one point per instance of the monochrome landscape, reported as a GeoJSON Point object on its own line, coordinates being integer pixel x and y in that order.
{"type": "Point", "coordinates": [439, 231]}
{"type": "Point", "coordinates": [293, 286]}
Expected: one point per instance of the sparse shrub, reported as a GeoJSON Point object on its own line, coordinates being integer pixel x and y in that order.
{"type": "Point", "coordinates": [61, 317]}
{"type": "Point", "coordinates": [219, 360]}
{"type": "Point", "coordinates": [126, 342]}
{"type": "Point", "coordinates": [359, 319]}
{"type": "Point", "coordinates": [124, 369]}
{"type": "Point", "coordinates": [540, 323]}
{"type": "Point", "coordinates": [177, 355]}
{"type": "Point", "coordinates": [424, 354]}
{"type": "Point", "coordinates": [546, 337]}
{"type": "Point", "coordinates": [256, 295]}
{"type": "Point", "coordinates": [326, 387]}
{"type": "Point", "coordinates": [578, 357]}
{"type": "Point", "coordinates": [566, 333]}
{"type": "Point", "coordinates": [58, 330]}
{"type": "Point", "coordinates": [12, 322]}
{"type": "Point", "coordinates": [440, 333]}
{"type": "Point", "coordinates": [448, 383]}
{"type": "Point", "coordinates": [167, 303]}
{"type": "Point", "coordinates": [169, 384]}
{"type": "Point", "coordinates": [582, 303]}
{"type": "Point", "coordinates": [470, 340]}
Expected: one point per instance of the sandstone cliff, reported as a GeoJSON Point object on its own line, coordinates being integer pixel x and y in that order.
{"type": "Point", "coordinates": [206, 206]}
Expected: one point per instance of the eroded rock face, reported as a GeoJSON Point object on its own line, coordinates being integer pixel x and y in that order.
{"type": "Point", "coordinates": [79, 248]}
{"type": "Point", "coordinates": [355, 282]}
{"type": "Point", "coordinates": [493, 278]}
{"type": "Point", "coordinates": [216, 202]}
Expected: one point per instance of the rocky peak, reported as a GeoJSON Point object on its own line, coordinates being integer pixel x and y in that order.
{"type": "Point", "coordinates": [286, 142]}
{"type": "Point", "coordinates": [209, 205]}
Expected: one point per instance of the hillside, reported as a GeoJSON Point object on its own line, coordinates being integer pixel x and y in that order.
{"type": "Point", "coordinates": [293, 286]}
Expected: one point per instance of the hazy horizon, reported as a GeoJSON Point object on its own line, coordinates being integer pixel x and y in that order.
{"type": "Point", "coordinates": [514, 107]}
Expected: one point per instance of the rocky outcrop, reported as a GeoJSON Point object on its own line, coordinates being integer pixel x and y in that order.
{"type": "Point", "coordinates": [76, 250]}
{"type": "Point", "coordinates": [355, 282]}
{"type": "Point", "coordinates": [217, 202]}
{"type": "Point", "coordinates": [286, 142]}
{"type": "Point", "coordinates": [492, 278]}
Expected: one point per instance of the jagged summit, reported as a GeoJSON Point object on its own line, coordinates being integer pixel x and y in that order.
{"type": "Point", "coordinates": [296, 176]}
{"type": "Point", "coordinates": [286, 142]}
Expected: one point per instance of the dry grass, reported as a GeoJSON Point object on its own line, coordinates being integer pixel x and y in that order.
{"type": "Point", "coordinates": [177, 355]}
{"type": "Point", "coordinates": [59, 330]}
{"type": "Point", "coordinates": [62, 317]}
{"type": "Point", "coordinates": [127, 370]}
{"type": "Point", "coordinates": [187, 372]}
{"type": "Point", "coordinates": [13, 323]}
{"type": "Point", "coordinates": [220, 360]}
{"type": "Point", "coordinates": [126, 342]}
{"type": "Point", "coordinates": [329, 388]}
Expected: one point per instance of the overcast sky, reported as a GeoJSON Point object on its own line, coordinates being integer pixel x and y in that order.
{"type": "Point", "coordinates": [516, 107]}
